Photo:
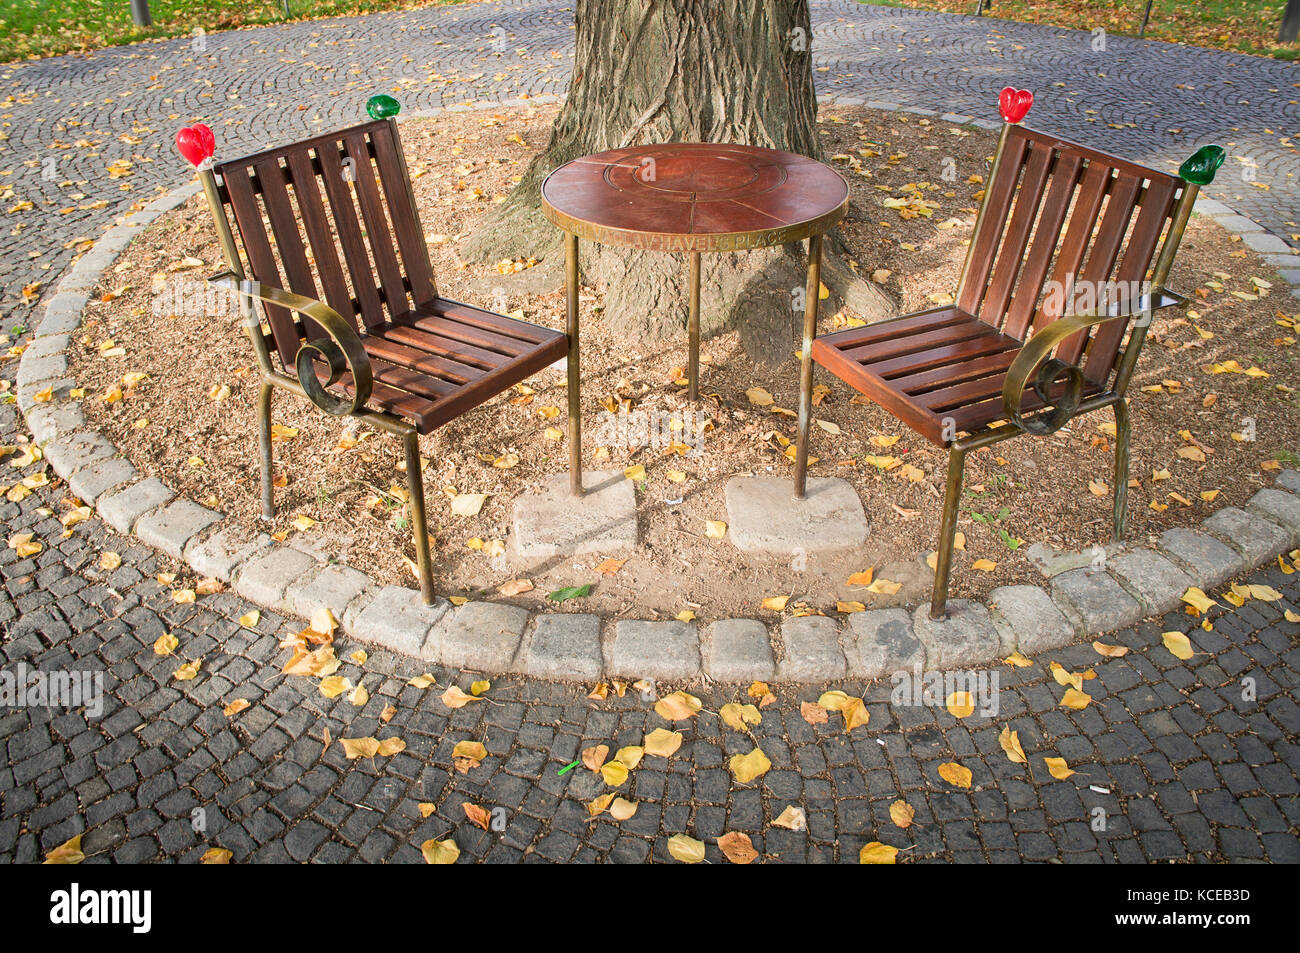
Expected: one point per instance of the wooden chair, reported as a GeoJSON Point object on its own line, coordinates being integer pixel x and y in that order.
{"type": "Point", "coordinates": [1057, 269]}
{"type": "Point", "coordinates": [382, 346]}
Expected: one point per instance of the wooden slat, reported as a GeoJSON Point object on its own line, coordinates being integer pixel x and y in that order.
{"type": "Point", "coordinates": [499, 323]}
{"type": "Point", "coordinates": [288, 239]}
{"type": "Point", "coordinates": [871, 333]}
{"type": "Point", "coordinates": [959, 395]}
{"type": "Point", "coordinates": [348, 227]}
{"type": "Point", "coordinates": [1087, 205]}
{"type": "Point", "coordinates": [404, 216]}
{"type": "Point", "coordinates": [457, 331]}
{"type": "Point", "coordinates": [1065, 176]}
{"type": "Point", "coordinates": [453, 372]}
{"type": "Point", "coordinates": [377, 231]}
{"type": "Point", "coordinates": [412, 381]}
{"type": "Point", "coordinates": [444, 346]}
{"type": "Point", "coordinates": [1011, 254]}
{"type": "Point", "coordinates": [1102, 255]}
{"type": "Point", "coordinates": [915, 384]}
{"type": "Point", "coordinates": [1141, 247]}
{"type": "Point", "coordinates": [913, 343]}
{"type": "Point", "coordinates": [942, 356]}
{"type": "Point", "coordinates": [306, 190]}
{"type": "Point", "coordinates": [992, 218]}
{"type": "Point", "coordinates": [261, 260]}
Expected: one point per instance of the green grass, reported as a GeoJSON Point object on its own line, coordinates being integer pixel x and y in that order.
{"type": "Point", "coordinates": [1248, 26]}
{"type": "Point", "coordinates": [44, 27]}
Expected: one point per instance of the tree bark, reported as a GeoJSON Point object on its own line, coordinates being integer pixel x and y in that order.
{"type": "Point", "coordinates": [648, 71]}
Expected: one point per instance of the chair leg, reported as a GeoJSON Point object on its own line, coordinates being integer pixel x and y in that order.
{"type": "Point", "coordinates": [264, 448]}
{"type": "Point", "coordinates": [1122, 428]}
{"type": "Point", "coordinates": [811, 292]}
{"type": "Point", "coordinates": [415, 487]}
{"type": "Point", "coordinates": [947, 533]}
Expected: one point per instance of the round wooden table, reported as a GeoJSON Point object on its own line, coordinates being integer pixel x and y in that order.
{"type": "Point", "coordinates": [691, 197]}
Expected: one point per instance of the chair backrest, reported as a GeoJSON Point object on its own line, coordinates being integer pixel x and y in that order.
{"type": "Point", "coordinates": [1059, 223]}
{"type": "Point", "coordinates": [335, 209]}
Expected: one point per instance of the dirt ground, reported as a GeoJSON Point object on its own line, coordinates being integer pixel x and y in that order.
{"type": "Point", "coordinates": [1206, 431]}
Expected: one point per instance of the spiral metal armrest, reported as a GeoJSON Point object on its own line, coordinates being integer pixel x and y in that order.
{"type": "Point", "coordinates": [341, 350]}
{"type": "Point", "coordinates": [1034, 362]}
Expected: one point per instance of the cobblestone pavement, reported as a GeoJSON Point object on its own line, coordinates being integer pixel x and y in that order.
{"type": "Point", "coordinates": [1150, 101]}
{"type": "Point", "coordinates": [1191, 768]}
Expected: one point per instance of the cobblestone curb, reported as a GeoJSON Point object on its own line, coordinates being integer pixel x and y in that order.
{"type": "Point", "coordinates": [1077, 604]}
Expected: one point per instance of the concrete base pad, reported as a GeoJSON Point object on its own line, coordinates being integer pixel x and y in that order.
{"type": "Point", "coordinates": [764, 517]}
{"type": "Point", "coordinates": [553, 523]}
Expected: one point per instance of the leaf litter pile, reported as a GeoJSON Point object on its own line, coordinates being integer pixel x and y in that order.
{"type": "Point", "coordinates": [1214, 406]}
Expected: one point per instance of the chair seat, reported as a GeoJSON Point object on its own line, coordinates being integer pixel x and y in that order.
{"type": "Point", "coordinates": [435, 363]}
{"type": "Point", "coordinates": [930, 368]}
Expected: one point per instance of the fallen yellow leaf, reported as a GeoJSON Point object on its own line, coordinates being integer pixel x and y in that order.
{"type": "Point", "coordinates": [1178, 645]}
{"type": "Point", "coordinates": [877, 853]}
{"type": "Point", "coordinates": [1010, 742]}
{"type": "Point", "coordinates": [955, 774]}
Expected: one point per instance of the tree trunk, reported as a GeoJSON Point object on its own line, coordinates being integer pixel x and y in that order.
{"type": "Point", "coordinates": [648, 71]}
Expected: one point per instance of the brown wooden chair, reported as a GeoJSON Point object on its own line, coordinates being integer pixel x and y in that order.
{"type": "Point", "coordinates": [1059, 263]}
{"type": "Point", "coordinates": [333, 217]}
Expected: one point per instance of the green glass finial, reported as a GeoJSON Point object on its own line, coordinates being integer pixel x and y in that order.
{"type": "Point", "coordinates": [382, 107]}
{"type": "Point", "coordinates": [1200, 168]}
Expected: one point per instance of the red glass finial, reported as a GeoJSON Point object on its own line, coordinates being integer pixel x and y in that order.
{"type": "Point", "coordinates": [1014, 103]}
{"type": "Point", "coordinates": [197, 144]}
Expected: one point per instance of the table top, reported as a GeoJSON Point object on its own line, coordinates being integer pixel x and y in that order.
{"type": "Point", "coordinates": [694, 196]}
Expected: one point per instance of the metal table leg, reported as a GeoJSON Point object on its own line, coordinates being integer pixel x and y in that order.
{"type": "Point", "coordinates": [811, 292]}
{"type": "Point", "coordinates": [693, 331]}
{"type": "Point", "coordinates": [575, 405]}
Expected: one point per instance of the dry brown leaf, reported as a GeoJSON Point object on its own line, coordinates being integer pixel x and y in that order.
{"type": "Point", "coordinates": [737, 848]}
{"type": "Point", "coordinates": [813, 714]}
{"type": "Point", "coordinates": [593, 758]}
